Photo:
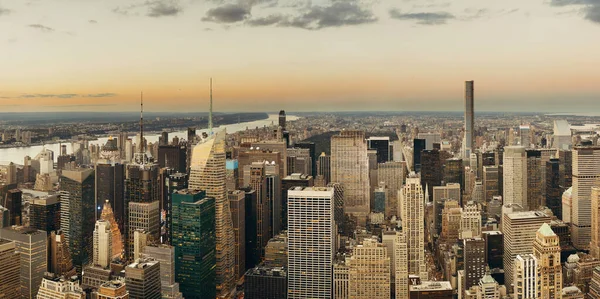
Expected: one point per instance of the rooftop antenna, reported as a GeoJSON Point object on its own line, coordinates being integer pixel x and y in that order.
{"type": "Point", "coordinates": [210, 120]}
{"type": "Point", "coordinates": [142, 122]}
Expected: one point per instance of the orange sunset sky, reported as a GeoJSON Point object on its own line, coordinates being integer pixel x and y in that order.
{"type": "Point", "coordinates": [266, 55]}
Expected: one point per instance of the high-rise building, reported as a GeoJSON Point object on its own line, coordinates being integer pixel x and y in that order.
{"type": "Point", "coordinates": [312, 150]}
{"type": "Point", "coordinates": [237, 202]}
{"type": "Point", "coordinates": [369, 271]}
{"type": "Point", "coordinates": [474, 261]}
{"type": "Point", "coordinates": [470, 222]}
{"type": "Point", "coordinates": [392, 174]}
{"type": "Point", "coordinates": [102, 244]}
{"type": "Point", "coordinates": [526, 280]}
{"type": "Point", "coordinates": [382, 145]}
{"type": "Point", "coordinates": [553, 188]}
{"type": "Point", "coordinates": [114, 289]}
{"type": "Point", "coordinates": [341, 277]}
{"type": "Point", "coordinates": [494, 248]}
{"type": "Point", "coordinates": [430, 139]}
{"type": "Point", "coordinates": [311, 242]}
{"type": "Point", "coordinates": [117, 242]}
{"type": "Point", "coordinates": [431, 170]}
{"type": "Point", "coordinates": [142, 279]}
{"type": "Point", "coordinates": [562, 135]}
{"type": "Point", "coordinates": [324, 167]}
{"type": "Point", "coordinates": [4, 217]}
{"type": "Point", "coordinates": [208, 173]}
{"type": "Point", "coordinates": [282, 118]}
{"type": "Point", "coordinates": [110, 187]}
{"type": "Point", "coordinates": [143, 216]}
{"type": "Point", "coordinates": [350, 167]}
{"type": "Point", "coordinates": [264, 282]}
{"type": "Point", "coordinates": [400, 266]}
{"type": "Point", "coordinates": [77, 188]}
{"type": "Point", "coordinates": [195, 243]}
{"type": "Point", "coordinates": [441, 194]}
{"type": "Point", "coordinates": [59, 257]}
{"type": "Point", "coordinates": [565, 158]}
{"type": "Point", "coordinates": [60, 288]}
{"type": "Point", "coordinates": [256, 178]}
{"type": "Point", "coordinates": [173, 156]}
{"type": "Point", "coordinates": [13, 202]}
{"type": "Point", "coordinates": [515, 176]}
{"type": "Point", "coordinates": [288, 182]}
{"type": "Point", "coordinates": [276, 252]}
{"type": "Point", "coordinates": [454, 172]}
{"type": "Point", "coordinates": [546, 249]}
{"type": "Point", "coordinates": [586, 173]}
{"type": "Point", "coordinates": [172, 182]}
{"type": "Point", "coordinates": [519, 230]}
{"type": "Point", "coordinates": [31, 245]}
{"type": "Point", "coordinates": [419, 145]}
{"type": "Point", "coordinates": [165, 254]}
{"type": "Point", "coordinates": [44, 213]}
{"type": "Point", "coordinates": [412, 213]}
{"type": "Point", "coordinates": [491, 182]}
{"type": "Point", "coordinates": [468, 143]}
{"type": "Point", "coordinates": [9, 272]}
{"type": "Point", "coordinates": [595, 227]}
{"type": "Point", "coordinates": [534, 179]}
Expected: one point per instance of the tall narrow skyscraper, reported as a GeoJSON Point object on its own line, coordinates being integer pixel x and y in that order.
{"type": "Point", "coordinates": [546, 249]}
{"type": "Point", "coordinates": [515, 176]}
{"type": "Point", "coordinates": [586, 173]}
{"type": "Point", "coordinates": [469, 118]}
{"type": "Point", "coordinates": [350, 167]}
{"type": "Point", "coordinates": [412, 212]}
{"type": "Point", "coordinates": [311, 242]}
{"type": "Point", "coordinates": [207, 173]}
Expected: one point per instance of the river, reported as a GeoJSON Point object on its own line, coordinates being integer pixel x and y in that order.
{"type": "Point", "coordinates": [17, 154]}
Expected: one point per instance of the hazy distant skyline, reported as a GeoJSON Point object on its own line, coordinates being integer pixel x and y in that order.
{"type": "Point", "coordinates": [299, 55]}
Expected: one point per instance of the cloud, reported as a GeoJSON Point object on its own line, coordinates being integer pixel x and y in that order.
{"type": "Point", "coordinates": [314, 17]}
{"type": "Point", "coordinates": [158, 9]}
{"type": "Point", "coordinates": [228, 13]}
{"type": "Point", "coordinates": [423, 18]}
{"type": "Point", "coordinates": [4, 11]}
{"type": "Point", "coordinates": [152, 8]}
{"type": "Point", "coordinates": [42, 28]}
{"type": "Point", "coordinates": [93, 22]}
{"type": "Point", "coordinates": [100, 95]}
{"type": "Point", "coordinates": [590, 8]}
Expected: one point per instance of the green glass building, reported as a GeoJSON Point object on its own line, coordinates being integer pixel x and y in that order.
{"type": "Point", "coordinates": [194, 239]}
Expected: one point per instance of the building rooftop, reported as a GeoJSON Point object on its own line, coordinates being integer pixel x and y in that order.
{"type": "Point", "coordinates": [525, 215]}
{"type": "Point", "coordinates": [431, 286]}
{"type": "Point", "coordinates": [562, 128]}
{"type": "Point", "coordinates": [546, 230]}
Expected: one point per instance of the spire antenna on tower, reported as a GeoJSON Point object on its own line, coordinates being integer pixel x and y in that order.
{"type": "Point", "coordinates": [210, 120]}
{"type": "Point", "coordinates": [141, 122]}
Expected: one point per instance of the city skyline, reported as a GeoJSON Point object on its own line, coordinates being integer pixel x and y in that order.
{"type": "Point", "coordinates": [330, 56]}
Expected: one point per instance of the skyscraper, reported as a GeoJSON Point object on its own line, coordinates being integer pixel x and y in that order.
{"type": "Point", "coordinates": [311, 242]}
{"type": "Point", "coordinates": [469, 118]}
{"type": "Point", "coordinates": [412, 213]}
{"type": "Point", "coordinates": [586, 173]}
{"type": "Point", "coordinates": [474, 261]}
{"type": "Point", "coordinates": [454, 172]}
{"type": "Point", "coordinates": [237, 201]}
{"type": "Point", "coordinates": [208, 173]}
{"type": "Point", "coordinates": [9, 272]}
{"type": "Point", "coordinates": [525, 278]}
{"type": "Point", "coordinates": [282, 118]}
{"type": "Point", "coordinates": [519, 230]}
{"type": "Point", "coordinates": [515, 176]}
{"type": "Point", "coordinates": [143, 216]}
{"type": "Point", "coordinates": [546, 249]}
{"type": "Point", "coordinates": [392, 175]}
{"type": "Point", "coordinates": [431, 170]}
{"type": "Point", "coordinates": [195, 243]}
{"type": "Point", "coordinates": [595, 227]}
{"type": "Point", "coordinates": [44, 213]}
{"type": "Point", "coordinates": [110, 187]}
{"type": "Point", "coordinates": [59, 257]}
{"type": "Point", "coordinates": [142, 279]}
{"type": "Point", "coordinates": [534, 179]}
{"type": "Point", "coordinates": [382, 145]}
{"type": "Point", "coordinates": [102, 244]}
{"type": "Point", "coordinates": [553, 188]}
{"type": "Point", "coordinates": [117, 243]}
{"type": "Point", "coordinates": [491, 182]}
{"type": "Point", "coordinates": [13, 202]}
{"type": "Point", "coordinates": [77, 187]}
{"type": "Point", "coordinates": [369, 271]}
{"type": "Point", "coordinates": [31, 245]}
{"type": "Point", "coordinates": [165, 254]}
{"type": "Point", "coordinates": [418, 147]}
{"type": "Point", "coordinates": [324, 167]}
{"type": "Point", "coordinates": [264, 282]}
{"type": "Point", "coordinates": [350, 167]}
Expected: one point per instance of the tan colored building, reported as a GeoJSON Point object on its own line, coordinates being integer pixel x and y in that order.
{"type": "Point", "coordinates": [412, 213]}
{"type": "Point", "coordinates": [350, 167]}
{"type": "Point", "coordinates": [60, 288]}
{"type": "Point", "coordinates": [392, 174]}
{"type": "Point", "coordinates": [451, 216]}
{"type": "Point", "coordinates": [595, 236]}
{"type": "Point", "coordinates": [470, 221]}
{"type": "Point", "coordinates": [341, 278]}
{"type": "Point", "coordinates": [546, 249]}
{"type": "Point", "coordinates": [117, 243]}
{"type": "Point", "coordinates": [401, 267]}
{"type": "Point", "coordinates": [9, 272]}
{"type": "Point", "coordinates": [369, 271]}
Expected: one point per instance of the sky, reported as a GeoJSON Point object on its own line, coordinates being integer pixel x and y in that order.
{"type": "Point", "coordinates": [299, 55]}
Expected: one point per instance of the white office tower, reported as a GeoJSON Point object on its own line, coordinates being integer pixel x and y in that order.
{"type": "Point", "coordinates": [519, 229]}
{"type": "Point", "coordinates": [469, 118]}
{"type": "Point", "coordinates": [350, 167]}
{"type": "Point", "coordinates": [526, 277]}
{"type": "Point", "coordinates": [369, 271]}
{"type": "Point", "coordinates": [562, 135]}
{"type": "Point", "coordinates": [401, 266]}
{"type": "Point", "coordinates": [102, 244]}
{"type": "Point", "coordinates": [311, 243]}
{"type": "Point", "coordinates": [470, 221]}
{"type": "Point", "coordinates": [586, 173]}
{"type": "Point", "coordinates": [515, 176]}
{"type": "Point", "coordinates": [524, 135]}
{"type": "Point", "coordinates": [412, 214]}
{"type": "Point", "coordinates": [165, 254]}
{"type": "Point", "coordinates": [46, 160]}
